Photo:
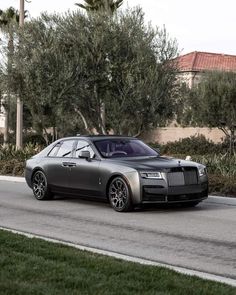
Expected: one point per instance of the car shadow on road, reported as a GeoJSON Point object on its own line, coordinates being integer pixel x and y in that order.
{"type": "Point", "coordinates": [95, 201]}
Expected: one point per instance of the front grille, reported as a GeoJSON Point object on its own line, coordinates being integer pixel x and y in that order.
{"type": "Point", "coordinates": [180, 176]}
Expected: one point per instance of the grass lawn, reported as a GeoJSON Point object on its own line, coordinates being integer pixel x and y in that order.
{"type": "Point", "coordinates": [33, 266]}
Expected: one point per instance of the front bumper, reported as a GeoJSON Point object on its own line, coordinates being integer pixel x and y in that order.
{"type": "Point", "coordinates": [164, 191]}
{"type": "Point", "coordinates": [152, 194]}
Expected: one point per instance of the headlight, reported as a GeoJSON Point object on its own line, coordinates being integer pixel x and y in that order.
{"type": "Point", "coordinates": [202, 171]}
{"type": "Point", "coordinates": [151, 175]}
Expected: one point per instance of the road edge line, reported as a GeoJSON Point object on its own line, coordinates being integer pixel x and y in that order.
{"type": "Point", "coordinates": [182, 270]}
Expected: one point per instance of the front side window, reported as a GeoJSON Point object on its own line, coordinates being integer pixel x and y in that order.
{"type": "Point", "coordinates": [116, 148]}
{"type": "Point", "coordinates": [65, 150]}
{"type": "Point", "coordinates": [83, 145]}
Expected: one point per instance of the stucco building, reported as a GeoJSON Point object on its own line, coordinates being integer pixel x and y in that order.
{"type": "Point", "coordinates": [193, 65]}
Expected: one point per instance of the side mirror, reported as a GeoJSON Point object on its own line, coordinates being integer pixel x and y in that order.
{"type": "Point", "coordinates": [84, 155]}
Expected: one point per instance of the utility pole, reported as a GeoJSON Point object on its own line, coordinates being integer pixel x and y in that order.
{"type": "Point", "coordinates": [19, 105]}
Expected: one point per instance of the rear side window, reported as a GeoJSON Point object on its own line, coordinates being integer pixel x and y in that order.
{"type": "Point", "coordinates": [65, 150]}
{"type": "Point", "coordinates": [54, 150]}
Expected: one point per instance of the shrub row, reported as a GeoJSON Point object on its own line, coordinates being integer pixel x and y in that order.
{"type": "Point", "coordinates": [10, 152]}
{"type": "Point", "coordinates": [12, 167]}
{"type": "Point", "coordinates": [222, 184]}
{"type": "Point", "coordinates": [197, 145]}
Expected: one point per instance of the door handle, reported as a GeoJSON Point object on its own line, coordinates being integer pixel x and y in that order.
{"type": "Point", "coordinates": [68, 164]}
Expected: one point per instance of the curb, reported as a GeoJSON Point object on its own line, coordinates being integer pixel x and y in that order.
{"type": "Point", "coordinates": [221, 200]}
{"type": "Point", "coordinates": [12, 178]}
{"type": "Point", "coordinates": [182, 270]}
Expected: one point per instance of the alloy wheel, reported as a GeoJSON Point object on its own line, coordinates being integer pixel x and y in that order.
{"type": "Point", "coordinates": [40, 188]}
{"type": "Point", "coordinates": [119, 195]}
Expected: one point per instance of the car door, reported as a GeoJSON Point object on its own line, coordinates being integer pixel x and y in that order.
{"type": "Point", "coordinates": [59, 162]}
{"type": "Point", "coordinates": [84, 176]}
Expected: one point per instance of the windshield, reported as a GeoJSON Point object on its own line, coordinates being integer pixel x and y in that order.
{"type": "Point", "coordinates": [116, 148]}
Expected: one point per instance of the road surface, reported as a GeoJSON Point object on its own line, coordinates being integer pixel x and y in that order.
{"type": "Point", "coordinates": [201, 238]}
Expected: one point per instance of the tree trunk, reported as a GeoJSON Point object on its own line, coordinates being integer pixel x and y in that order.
{"type": "Point", "coordinates": [103, 117]}
{"type": "Point", "coordinates": [6, 127]}
{"type": "Point", "coordinates": [101, 111]}
{"type": "Point", "coordinates": [10, 48]}
{"type": "Point", "coordinates": [84, 120]}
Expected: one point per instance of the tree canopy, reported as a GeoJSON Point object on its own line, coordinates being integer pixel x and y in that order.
{"type": "Point", "coordinates": [213, 103]}
{"type": "Point", "coordinates": [109, 6]}
{"type": "Point", "coordinates": [80, 73]}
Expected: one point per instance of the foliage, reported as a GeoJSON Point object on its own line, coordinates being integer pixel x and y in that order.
{"type": "Point", "coordinates": [114, 74]}
{"type": "Point", "coordinates": [218, 164]}
{"type": "Point", "coordinates": [109, 6]}
{"type": "Point", "coordinates": [65, 270]}
{"type": "Point", "coordinates": [7, 18]}
{"type": "Point", "coordinates": [12, 161]}
{"type": "Point", "coordinates": [12, 167]}
{"type": "Point", "coordinates": [222, 184]}
{"type": "Point", "coordinates": [9, 152]}
{"type": "Point", "coordinates": [213, 103]}
{"type": "Point", "coordinates": [193, 145]}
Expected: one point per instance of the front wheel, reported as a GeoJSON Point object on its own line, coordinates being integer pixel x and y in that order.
{"type": "Point", "coordinates": [40, 186]}
{"type": "Point", "coordinates": [119, 195]}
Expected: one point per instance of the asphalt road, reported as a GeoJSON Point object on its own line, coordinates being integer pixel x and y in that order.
{"type": "Point", "coordinates": [201, 238]}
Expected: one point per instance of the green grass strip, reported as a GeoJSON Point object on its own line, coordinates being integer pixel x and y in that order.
{"type": "Point", "coordinates": [34, 266]}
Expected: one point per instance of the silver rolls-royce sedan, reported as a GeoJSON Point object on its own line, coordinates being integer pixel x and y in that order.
{"type": "Point", "coordinates": [124, 170]}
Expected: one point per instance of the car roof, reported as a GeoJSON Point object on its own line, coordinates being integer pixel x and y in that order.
{"type": "Point", "coordinates": [98, 137]}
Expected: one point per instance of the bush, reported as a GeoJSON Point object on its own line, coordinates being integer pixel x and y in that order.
{"type": "Point", "coordinates": [34, 138]}
{"type": "Point", "coordinates": [222, 184]}
{"type": "Point", "coordinates": [10, 152]}
{"type": "Point", "coordinates": [12, 161]}
{"type": "Point", "coordinates": [194, 145]}
{"type": "Point", "coordinates": [12, 167]}
{"type": "Point", "coordinates": [218, 164]}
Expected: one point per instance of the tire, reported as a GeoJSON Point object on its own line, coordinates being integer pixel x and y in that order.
{"type": "Point", "coordinates": [119, 195]}
{"type": "Point", "coordinates": [40, 186]}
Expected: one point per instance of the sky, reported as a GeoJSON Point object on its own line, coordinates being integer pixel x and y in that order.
{"type": "Point", "coordinates": [203, 25]}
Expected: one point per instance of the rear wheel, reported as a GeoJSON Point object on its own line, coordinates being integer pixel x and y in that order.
{"type": "Point", "coordinates": [40, 186]}
{"type": "Point", "coordinates": [119, 195]}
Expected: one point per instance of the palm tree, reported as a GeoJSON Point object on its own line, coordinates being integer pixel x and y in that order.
{"type": "Point", "coordinates": [8, 19]}
{"type": "Point", "coordinates": [101, 5]}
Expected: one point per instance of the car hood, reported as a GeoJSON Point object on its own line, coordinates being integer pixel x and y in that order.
{"type": "Point", "coordinates": [151, 163]}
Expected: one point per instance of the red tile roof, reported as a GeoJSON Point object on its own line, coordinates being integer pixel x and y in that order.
{"type": "Point", "coordinates": [205, 61]}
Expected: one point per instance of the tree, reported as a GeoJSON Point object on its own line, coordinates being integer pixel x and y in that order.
{"type": "Point", "coordinates": [68, 75]}
{"type": "Point", "coordinates": [109, 6]}
{"type": "Point", "coordinates": [213, 103]}
{"type": "Point", "coordinates": [45, 76]}
{"type": "Point", "coordinates": [8, 19]}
